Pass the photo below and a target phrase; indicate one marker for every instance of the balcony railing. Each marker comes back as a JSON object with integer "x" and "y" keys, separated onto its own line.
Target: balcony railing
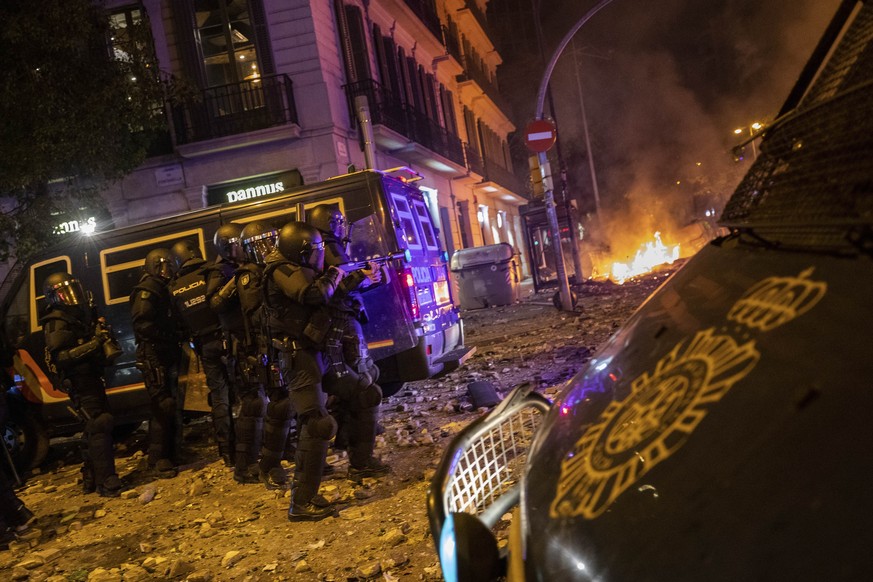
{"x": 452, "y": 44}
{"x": 236, "y": 108}
{"x": 426, "y": 12}
{"x": 474, "y": 160}
{"x": 494, "y": 172}
{"x": 387, "y": 110}
{"x": 478, "y": 15}
{"x": 473, "y": 72}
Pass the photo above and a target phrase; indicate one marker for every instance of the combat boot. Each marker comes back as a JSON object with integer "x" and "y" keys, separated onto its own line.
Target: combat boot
{"x": 371, "y": 469}
{"x": 88, "y": 483}
{"x": 247, "y": 475}
{"x": 310, "y": 511}
{"x": 111, "y": 487}
{"x": 275, "y": 478}
{"x": 164, "y": 469}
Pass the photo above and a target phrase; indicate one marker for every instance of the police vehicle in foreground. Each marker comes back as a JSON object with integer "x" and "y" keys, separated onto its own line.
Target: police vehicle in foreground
{"x": 414, "y": 330}
{"x": 724, "y": 432}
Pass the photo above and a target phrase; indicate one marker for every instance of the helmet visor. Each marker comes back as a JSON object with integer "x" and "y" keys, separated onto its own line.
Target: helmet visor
{"x": 163, "y": 269}
{"x": 258, "y": 247}
{"x": 67, "y": 293}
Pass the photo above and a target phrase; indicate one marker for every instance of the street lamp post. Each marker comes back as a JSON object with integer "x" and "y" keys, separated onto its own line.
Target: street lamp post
{"x": 549, "y": 194}
{"x": 753, "y": 130}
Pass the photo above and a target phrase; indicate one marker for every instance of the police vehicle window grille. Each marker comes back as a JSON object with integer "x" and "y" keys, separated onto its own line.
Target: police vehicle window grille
{"x": 408, "y": 222}
{"x": 812, "y": 182}
{"x": 426, "y": 226}
{"x": 492, "y": 464}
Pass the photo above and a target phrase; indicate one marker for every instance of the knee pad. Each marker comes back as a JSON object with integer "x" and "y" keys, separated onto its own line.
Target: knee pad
{"x": 321, "y": 425}
{"x": 279, "y": 409}
{"x": 370, "y": 396}
{"x": 102, "y": 423}
{"x": 253, "y": 404}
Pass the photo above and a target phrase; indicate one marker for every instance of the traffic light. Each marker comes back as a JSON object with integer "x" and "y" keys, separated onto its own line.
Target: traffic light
{"x": 536, "y": 179}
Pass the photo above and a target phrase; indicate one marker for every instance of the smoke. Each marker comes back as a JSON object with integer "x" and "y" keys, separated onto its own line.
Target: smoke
{"x": 664, "y": 90}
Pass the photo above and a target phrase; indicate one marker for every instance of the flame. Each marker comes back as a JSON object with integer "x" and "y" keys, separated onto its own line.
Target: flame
{"x": 650, "y": 255}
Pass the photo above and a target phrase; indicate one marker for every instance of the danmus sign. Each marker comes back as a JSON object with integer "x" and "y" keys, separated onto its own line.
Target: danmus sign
{"x": 255, "y": 187}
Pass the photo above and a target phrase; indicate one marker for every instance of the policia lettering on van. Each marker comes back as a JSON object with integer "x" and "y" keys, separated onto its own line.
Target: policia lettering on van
{"x": 414, "y": 330}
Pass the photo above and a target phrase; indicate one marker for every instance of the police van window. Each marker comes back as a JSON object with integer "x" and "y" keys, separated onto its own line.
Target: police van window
{"x": 277, "y": 218}
{"x": 430, "y": 240}
{"x": 122, "y": 265}
{"x": 38, "y": 274}
{"x": 407, "y": 221}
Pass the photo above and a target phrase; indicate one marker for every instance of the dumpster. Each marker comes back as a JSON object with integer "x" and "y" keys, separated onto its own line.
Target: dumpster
{"x": 485, "y": 276}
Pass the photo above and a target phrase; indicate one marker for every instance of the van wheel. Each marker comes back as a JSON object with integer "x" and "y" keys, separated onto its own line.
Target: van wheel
{"x": 26, "y": 440}
{"x": 391, "y": 388}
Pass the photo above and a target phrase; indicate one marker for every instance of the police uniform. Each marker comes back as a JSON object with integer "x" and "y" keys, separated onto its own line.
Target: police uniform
{"x": 189, "y": 297}
{"x": 235, "y": 295}
{"x": 292, "y": 296}
{"x": 352, "y": 375}
{"x": 75, "y": 351}
{"x": 157, "y": 356}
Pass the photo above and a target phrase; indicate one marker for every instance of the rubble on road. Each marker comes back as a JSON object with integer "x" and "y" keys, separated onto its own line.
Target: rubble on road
{"x": 201, "y": 525}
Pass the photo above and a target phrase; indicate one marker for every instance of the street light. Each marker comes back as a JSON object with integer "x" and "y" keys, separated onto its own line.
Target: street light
{"x": 753, "y": 130}
{"x": 542, "y": 158}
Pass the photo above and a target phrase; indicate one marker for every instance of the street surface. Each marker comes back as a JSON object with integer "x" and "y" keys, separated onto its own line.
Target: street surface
{"x": 201, "y": 525}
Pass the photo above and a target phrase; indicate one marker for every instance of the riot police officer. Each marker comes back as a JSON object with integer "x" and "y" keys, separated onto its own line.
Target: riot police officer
{"x": 201, "y": 324}
{"x": 259, "y": 241}
{"x": 75, "y": 339}
{"x": 226, "y": 290}
{"x": 157, "y": 357}
{"x": 295, "y": 288}
{"x": 15, "y": 517}
{"x": 351, "y": 373}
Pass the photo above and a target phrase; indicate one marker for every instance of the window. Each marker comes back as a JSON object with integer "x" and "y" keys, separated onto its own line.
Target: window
{"x": 430, "y": 240}
{"x": 354, "y": 42}
{"x": 404, "y": 214}
{"x": 226, "y": 41}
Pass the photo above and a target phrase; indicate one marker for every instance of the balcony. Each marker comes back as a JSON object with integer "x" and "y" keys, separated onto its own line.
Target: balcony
{"x": 475, "y": 73}
{"x": 387, "y": 110}
{"x": 235, "y": 108}
{"x": 452, "y": 44}
{"x": 474, "y": 160}
{"x": 496, "y": 173}
{"x": 425, "y": 10}
{"x": 478, "y": 15}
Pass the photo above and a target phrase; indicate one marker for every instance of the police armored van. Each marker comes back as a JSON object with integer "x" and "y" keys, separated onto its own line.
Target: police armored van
{"x": 414, "y": 330}
{"x": 723, "y": 432}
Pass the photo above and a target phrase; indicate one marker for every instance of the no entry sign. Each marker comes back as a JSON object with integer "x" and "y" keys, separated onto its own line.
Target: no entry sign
{"x": 539, "y": 135}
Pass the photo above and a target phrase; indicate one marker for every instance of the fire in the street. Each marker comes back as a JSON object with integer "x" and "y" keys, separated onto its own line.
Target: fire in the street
{"x": 650, "y": 255}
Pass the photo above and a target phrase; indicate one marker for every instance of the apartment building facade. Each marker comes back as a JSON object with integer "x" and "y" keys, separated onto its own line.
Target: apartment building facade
{"x": 283, "y": 92}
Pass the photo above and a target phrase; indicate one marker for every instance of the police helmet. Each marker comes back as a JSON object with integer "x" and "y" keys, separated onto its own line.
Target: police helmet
{"x": 258, "y": 241}
{"x": 302, "y": 244}
{"x": 64, "y": 289}
{"x": 328, "y": 219}
{"x": 158, "y": 263}
{"x": 227, "y": 242}
{"x": 184, "y": 251}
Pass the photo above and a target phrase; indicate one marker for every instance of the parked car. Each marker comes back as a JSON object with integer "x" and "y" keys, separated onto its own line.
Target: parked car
{"x": 723, "y": 433}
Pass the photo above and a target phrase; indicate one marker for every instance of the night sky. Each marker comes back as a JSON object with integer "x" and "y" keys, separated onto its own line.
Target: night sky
{"x": 665, "y": 83}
